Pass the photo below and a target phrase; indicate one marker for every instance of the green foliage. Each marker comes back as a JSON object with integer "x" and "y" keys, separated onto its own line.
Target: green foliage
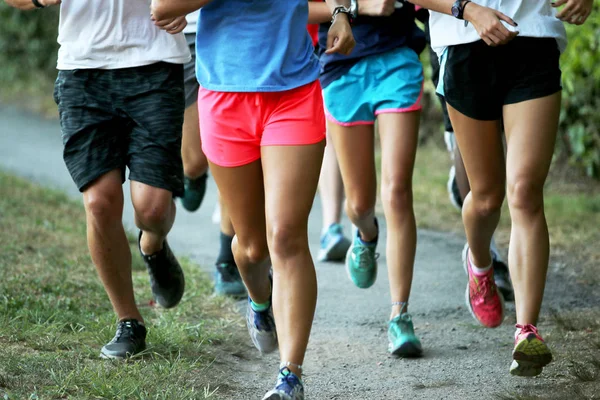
{"x": 27, "y": 42}
{"x": 580, "y": 117}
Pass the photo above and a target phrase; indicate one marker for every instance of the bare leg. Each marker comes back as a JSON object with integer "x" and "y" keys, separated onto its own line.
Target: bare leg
{"x": 399, "y": 139}
{"x": 461, "y": 174}
{"x": 534, "y": 121}
{"x": 481, "y": 146}
{"x": 290, "y": 194}
{"x": 331, "y": 187}
{"x": 108, "y": 244}
{"x": 195, "y": 163}
{"x": 355, "y": 147}
{"x": 226, "y": 225}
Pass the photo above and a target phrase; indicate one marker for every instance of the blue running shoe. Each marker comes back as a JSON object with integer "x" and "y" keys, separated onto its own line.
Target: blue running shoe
{"x": 334, "y": 244}
{"x": 228, "y": 281}
{"x": 361, "y": 262}
{"x": 261, "y": 327}
{"x": 402, "y": 338}
{"x": 288, "y": 387}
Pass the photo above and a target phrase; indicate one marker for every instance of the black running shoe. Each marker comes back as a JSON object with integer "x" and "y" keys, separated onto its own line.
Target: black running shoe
{"x": 166, "y": 276}
{"x": 502, "y": 279}
{"x": 129, "y": 340}
{"x": 228, "y": 281}
{"x": 194, "y": 191}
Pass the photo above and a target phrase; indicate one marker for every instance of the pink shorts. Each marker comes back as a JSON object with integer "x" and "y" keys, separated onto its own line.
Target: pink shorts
{"x": 234, "y": 126}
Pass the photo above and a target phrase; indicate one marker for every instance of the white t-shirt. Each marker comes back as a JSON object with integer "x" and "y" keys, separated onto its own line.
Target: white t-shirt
{"x": 536, "y": 18}
{"x": 192, "y": 21}
{"x": 114, "y": 34}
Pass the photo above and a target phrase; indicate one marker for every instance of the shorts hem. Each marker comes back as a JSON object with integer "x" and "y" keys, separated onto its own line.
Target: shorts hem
{"x": 303, "y": 143}
{"x": 233, "y": 164}
{"x": 399, "y": 110}
{"x": 534, "y": 96}
{"x": 176, "y": 192}
{"x": 84, "y": 182}
{"x": 331, "y": 118}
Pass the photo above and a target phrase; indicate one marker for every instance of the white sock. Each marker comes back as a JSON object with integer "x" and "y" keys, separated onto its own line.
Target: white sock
{"x": 476, "y": 270}
{"x": 495, "y": 252}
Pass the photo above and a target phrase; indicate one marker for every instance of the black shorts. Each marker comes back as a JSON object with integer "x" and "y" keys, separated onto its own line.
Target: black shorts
{"x": 478, "y": 80}
{"x": 189, "y": 73}
{"x": 131, "y": 117}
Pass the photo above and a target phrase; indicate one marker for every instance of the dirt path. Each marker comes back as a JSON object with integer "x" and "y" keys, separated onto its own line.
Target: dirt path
{"x": 347, "y": 356}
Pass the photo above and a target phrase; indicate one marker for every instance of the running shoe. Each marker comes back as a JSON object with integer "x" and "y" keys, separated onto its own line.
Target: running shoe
{"x": 261, "y": 327}
{"x": 288, "y": 387}
{"x": 194, "y": 191}
{"x": 228, "y": 281}
{"x": 531, "y": 354}
{"x": 483, "y": 296}
{"x": 129, "y": 340}
{"x": 450, "y": 141}
{"x": 402, "y": 338}
{"x": 166, "y": 276}
{"x": 502, "y": 278}
{"x": 361, "y": 262}
{"x": 334, "y": 244}
{"x": 453, "y": 191}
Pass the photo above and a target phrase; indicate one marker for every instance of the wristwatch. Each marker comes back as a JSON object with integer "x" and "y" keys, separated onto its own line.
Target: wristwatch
{"x": 458, "y": 8}
{"x": 37, "y": 4}
{"x": 342, "y": 10}
{"x": 354, "y": 9}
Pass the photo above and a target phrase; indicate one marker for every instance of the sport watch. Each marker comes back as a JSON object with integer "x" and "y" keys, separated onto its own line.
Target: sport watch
{"x": 354, "y": 9}
{"x": 342, "y": 10}
{"x": 458, "y": 8}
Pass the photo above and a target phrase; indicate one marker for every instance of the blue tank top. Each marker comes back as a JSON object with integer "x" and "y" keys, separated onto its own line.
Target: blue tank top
{"x": 254, "y": 46}
{"x": 373, "y": 35}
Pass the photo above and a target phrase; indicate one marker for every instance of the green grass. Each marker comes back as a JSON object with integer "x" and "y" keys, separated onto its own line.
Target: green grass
{"x": 55, "y": 316}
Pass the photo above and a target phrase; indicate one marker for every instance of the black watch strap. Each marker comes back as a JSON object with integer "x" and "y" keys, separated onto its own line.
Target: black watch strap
{"x": 462, "y": 12}
{"x": 37, "y": 4}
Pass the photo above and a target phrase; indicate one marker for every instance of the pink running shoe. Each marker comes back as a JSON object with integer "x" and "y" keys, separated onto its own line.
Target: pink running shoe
{"x": 483, "y": 297}
{"x": 531, "y": 354}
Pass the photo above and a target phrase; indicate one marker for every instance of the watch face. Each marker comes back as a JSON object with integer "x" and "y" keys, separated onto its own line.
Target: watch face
{"x": 455, "y": 11}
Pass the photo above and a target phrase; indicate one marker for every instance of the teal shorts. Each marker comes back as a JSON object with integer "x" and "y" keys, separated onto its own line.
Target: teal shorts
{"x": 391, "y": 82}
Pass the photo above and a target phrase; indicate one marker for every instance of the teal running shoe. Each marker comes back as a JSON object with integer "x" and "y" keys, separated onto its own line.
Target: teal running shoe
{"x": 228, "y": 281}
{"x": 361, "y": 262}
{"x": 194, "y": 191}
{"x": 402, "y": 338}
{"x": 334, "y": 244}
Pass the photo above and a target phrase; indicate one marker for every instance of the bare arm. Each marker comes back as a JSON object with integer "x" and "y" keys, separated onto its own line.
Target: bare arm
{"x": 28, "y": 4}
{"x": 318, "y": 12}
{"x": 167, "y": 9}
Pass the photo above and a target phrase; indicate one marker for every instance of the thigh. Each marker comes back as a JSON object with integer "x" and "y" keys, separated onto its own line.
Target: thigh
{"x": 531, "y": 128}
{"x": 355, "y": 149}
{"x": 399, "y": 133}
{"x": 95, "y": 139}
{"x": 242, "y": 192}
{"x": 480, "y": 144}
{"x": 291, "y": 175}
{"x": 155, "y": 105}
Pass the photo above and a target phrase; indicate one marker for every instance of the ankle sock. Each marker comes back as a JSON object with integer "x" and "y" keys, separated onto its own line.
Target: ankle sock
{"x": 260, "y": 307}
{"x": 225, "y": 253}
{"x": 477, "y": 270}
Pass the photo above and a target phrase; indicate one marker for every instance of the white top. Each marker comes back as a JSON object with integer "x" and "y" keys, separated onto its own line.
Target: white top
{"x": 113, "y": 34}
{"x": 192, "y": 20}
{"x": 536, "y": 18}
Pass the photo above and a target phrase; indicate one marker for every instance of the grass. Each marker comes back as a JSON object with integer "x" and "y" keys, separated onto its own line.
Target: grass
{"x": 55, "y": 316}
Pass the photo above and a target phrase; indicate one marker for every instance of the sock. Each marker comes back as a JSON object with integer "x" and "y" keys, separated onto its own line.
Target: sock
{"x": 476, "y": 270}
{"x": 225, "y": 253}
{"x": 495, "y": 253}
{"x": 371, "y": 242}
{"x": 260, "y": 307}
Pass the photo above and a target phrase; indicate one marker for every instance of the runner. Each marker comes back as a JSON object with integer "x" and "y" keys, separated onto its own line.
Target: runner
{"x": 120, "y": 97}
{"x": 458, "y": 183}
{"x": 195, "y": 165}
{"x": 491, "y": 70}
{"x": 263, "y": 131}
{"x": 382, "y": 80}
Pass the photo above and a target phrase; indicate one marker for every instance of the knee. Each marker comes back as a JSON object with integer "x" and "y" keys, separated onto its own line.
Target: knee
{"x": 254, "y": 252}
{"x": 360, "y": 206}
{"x": 194, "y": 162}
{"x": 286, "y": 240}
{"x": 104, "y": 205}
{"x": 153, "y": 213}
{"x": 489, "y": 202}
{"x": 525, "y": 195}
{"x": 397, "y": 196}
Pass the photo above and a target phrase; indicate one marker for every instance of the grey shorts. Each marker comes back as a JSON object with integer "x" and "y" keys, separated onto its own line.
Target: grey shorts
{"x": 189, "y": 73}
{"x": 131, "y": 117}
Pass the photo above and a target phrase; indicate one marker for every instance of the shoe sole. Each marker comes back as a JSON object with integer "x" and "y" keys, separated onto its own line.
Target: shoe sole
{"x": 335, "y": 252}
{"x": 407, "y": 350}
{"x": 530, "y": 357}
{"x": 348, "y": 256}
{"x": 468, "y": 298}
{"x": 264, "y": 342}
{"x": 107, "y": 356}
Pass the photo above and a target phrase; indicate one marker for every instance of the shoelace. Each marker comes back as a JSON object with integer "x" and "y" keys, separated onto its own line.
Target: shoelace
{"x": 286, "y": 380}
{"x": 528, "y": 328}
{"x": 362, "y": 251}
{"x": 124, "y": 329}
{"x": 486, "y": 288}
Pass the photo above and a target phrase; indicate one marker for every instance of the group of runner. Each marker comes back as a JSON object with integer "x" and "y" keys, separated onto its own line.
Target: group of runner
{"x": 254, "y": 109}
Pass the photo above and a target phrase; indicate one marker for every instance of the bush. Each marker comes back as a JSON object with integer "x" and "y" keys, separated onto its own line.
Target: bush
{"x": 580, "y": 117}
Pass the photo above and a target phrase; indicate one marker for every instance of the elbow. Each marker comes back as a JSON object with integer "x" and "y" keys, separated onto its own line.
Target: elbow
{"x": 162, "y": 10}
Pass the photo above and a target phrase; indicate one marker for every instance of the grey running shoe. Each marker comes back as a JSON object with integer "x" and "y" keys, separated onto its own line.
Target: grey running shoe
{"x": 261, "y": 327}
{"x": 129, "y": 340}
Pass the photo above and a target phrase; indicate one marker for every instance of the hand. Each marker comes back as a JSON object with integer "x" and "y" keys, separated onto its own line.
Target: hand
{"x": 340, "y": 38}
{"x": 48, "y": 3}
{"x": 487, "y": 24}
{"x": 575, "y": 11}
{"x": 376, "y": 8}
{"x": 171, "y": 25}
